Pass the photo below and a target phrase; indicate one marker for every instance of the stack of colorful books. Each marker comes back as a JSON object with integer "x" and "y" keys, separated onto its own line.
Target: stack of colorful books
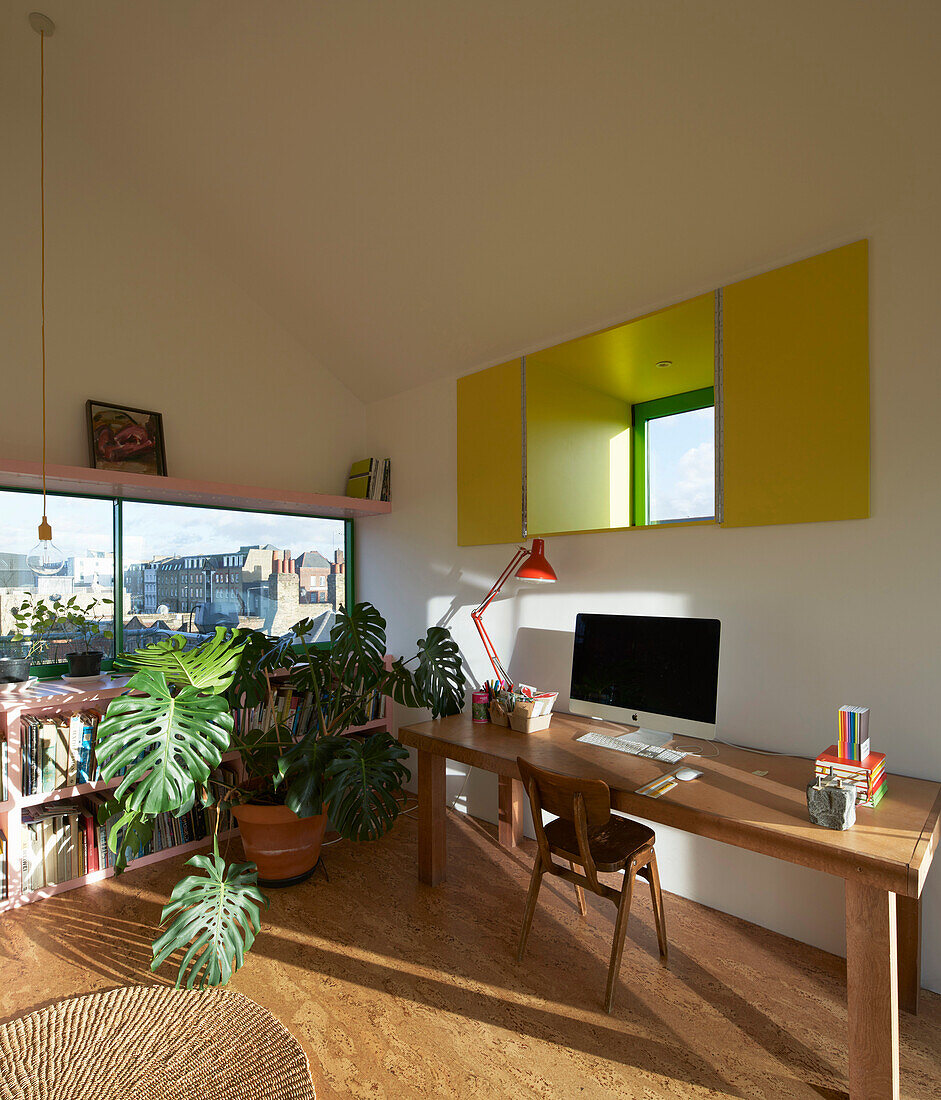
{"x": 851, "y": 758}
{"x": 854, "y": 733}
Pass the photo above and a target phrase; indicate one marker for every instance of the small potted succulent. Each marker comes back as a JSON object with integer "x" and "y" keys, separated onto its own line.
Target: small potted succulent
{"x": 35, "y": 621}
{"x": 84, "y": 626}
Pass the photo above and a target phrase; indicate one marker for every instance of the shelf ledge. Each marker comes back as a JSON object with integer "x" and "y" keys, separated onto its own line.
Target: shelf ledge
{"x": 176, "y": 490}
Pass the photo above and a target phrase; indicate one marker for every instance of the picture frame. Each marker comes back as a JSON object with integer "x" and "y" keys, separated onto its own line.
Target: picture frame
{"x": 125, "y": 439}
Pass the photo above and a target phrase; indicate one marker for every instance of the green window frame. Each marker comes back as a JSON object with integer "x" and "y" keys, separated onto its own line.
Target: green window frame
{"x": 53, "y": 670}
{"x": 641, "y": 414}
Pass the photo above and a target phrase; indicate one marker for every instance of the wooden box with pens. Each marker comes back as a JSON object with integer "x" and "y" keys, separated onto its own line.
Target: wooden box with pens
{"x": 522, "y": 708}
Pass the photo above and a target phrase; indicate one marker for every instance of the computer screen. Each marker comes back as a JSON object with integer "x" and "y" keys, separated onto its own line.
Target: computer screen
{"x": 661, "y": 673}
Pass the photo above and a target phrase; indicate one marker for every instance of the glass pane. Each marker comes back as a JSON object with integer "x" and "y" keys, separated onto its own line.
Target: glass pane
{"x": 83, "y": 529}
{"x": 188, "y": 570}
{"x": 681, "y": 466}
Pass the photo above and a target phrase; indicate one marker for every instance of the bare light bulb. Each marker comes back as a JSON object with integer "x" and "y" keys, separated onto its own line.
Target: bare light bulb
{"x": 45, "y": 559}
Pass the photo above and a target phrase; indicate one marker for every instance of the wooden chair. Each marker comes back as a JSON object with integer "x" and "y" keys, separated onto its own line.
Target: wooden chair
{"x": 589, "y": 836}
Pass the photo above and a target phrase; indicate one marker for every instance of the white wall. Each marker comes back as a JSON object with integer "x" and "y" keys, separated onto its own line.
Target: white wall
{"x": 813, "y": 615}
{"x": 137, "y": 315}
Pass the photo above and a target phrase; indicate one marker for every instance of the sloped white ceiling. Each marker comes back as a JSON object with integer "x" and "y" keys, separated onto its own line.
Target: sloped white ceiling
{"x": 414, "y": 188}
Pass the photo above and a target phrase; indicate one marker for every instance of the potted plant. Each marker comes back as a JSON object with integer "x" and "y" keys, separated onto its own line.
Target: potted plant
{"x": 171, "y": 729}
{"x": 35, "y": 621}
{"x": 84, "y": 625}
{"x": 299, "y": 765}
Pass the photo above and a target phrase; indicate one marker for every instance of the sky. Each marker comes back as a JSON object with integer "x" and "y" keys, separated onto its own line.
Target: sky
{"x": 681, "y": 460}
{"x": 157, "y": 530}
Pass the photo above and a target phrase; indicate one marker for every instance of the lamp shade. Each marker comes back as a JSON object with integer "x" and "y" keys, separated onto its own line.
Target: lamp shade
{"x": 535, "y": 567}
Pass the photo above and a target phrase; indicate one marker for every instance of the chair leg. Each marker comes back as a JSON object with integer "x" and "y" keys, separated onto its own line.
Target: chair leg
{"x": 534, "y": 883}
{"x": 620, "y": 927}
{"x": 656, "y": 898}
{"x": 580, "y": 895}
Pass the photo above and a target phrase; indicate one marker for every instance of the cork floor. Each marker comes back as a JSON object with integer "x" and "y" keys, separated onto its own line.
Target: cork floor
{"x": 400, "y": 990}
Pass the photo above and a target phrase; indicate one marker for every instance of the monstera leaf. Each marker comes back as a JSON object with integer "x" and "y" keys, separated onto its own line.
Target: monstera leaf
{"x": 210, "y": 667}
{"x": 303, "y": 769}
{"x": 215, "y": 919}
{"x": 439, "y": 676}
{"x": 260, "y": 656}
{"x": 362, "y": 781}
{"x": 358, "y": 646}
{"x": 399, "y": 682}
{"x": 130, "y": 832}
{"x": 167, "y": 743}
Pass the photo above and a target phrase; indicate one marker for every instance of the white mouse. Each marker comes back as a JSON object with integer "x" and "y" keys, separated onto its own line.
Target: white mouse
{"x": 687, "y": 773}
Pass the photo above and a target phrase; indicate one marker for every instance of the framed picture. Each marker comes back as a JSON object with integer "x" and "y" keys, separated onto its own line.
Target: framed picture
{"x": 125, "y": 439}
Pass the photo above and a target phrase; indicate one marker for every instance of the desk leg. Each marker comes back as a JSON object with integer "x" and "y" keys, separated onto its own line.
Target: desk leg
{"x": 908, "y": 911}
{"x": 432, "y": 818}
{"x": 872, "y": 992}
{"x": 511, "y": 812}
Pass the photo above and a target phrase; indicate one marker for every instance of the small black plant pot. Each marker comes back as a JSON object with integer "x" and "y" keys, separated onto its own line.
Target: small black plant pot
{"x": 14, "y": 670}
{"x": 87, "y": 663}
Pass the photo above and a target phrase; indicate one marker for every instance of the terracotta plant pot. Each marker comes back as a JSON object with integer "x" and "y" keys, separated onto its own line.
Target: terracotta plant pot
{"x": 285, "y": 847}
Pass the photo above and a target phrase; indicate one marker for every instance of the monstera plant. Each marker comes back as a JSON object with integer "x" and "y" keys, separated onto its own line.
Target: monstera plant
{"x": 168, "y": 734}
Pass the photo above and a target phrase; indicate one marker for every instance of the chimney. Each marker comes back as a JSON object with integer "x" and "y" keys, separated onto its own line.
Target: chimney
{"x": 288, "y": 562}
{"x": 277, "y": 565}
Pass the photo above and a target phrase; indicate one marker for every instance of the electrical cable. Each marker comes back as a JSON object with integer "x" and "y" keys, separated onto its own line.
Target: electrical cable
{"x": 42, "y": 249}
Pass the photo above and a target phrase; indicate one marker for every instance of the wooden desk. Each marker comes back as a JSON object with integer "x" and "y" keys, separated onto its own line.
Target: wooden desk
{"x": 883, "y": 859}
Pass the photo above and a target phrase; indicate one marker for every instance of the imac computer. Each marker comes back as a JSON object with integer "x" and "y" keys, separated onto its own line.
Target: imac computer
{"x": 661, "y": 674}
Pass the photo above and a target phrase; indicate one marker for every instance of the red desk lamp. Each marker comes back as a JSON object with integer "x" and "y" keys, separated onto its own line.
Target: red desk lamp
{"x": 529, "y": 565}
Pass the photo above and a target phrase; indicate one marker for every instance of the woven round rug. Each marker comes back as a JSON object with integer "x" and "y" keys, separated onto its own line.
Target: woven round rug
{"x": 152, "y": 1043}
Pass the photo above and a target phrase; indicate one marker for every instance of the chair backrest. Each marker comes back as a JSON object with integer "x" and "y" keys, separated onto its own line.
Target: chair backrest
{"x": 584, "y": 802}
{"x": 557, "y": 794}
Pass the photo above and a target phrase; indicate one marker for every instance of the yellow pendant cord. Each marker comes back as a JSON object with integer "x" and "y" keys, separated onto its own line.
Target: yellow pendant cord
{"x": 42, "y": 264}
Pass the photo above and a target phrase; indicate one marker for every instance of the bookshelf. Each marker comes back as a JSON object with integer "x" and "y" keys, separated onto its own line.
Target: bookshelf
{"x": 177, "y": 490}
{"x": 55, "y": 697}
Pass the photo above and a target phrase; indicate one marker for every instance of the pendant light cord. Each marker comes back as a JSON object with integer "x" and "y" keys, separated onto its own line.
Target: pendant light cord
{"x": 42, "y": 250}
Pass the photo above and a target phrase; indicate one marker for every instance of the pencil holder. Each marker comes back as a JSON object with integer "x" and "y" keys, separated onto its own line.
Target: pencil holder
{"x": 498, "y": 714}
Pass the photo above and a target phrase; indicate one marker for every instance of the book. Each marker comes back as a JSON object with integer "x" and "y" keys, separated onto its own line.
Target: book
{"x": 31, "y": 855}
{"x": 386, "y": 493}
{"x": 60, "y": 763}
{"x": 47, "y": 755}
{"x": 868, "y": 775}
{"x": 85, "y": 766}
{"x": 91, "y": 848}
{"x": 75, "y": 749}
{"x": 853, "y": 742}
{"x": 369, "y": 479}
{"x": 50, "y": 855}
{"x": 29, "y": 759}
{"x": 357, "y": 487}
{"x": 360, "y": 480}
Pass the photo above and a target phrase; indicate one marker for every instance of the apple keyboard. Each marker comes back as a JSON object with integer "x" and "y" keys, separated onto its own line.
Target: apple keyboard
{"x": 632, "y": 747}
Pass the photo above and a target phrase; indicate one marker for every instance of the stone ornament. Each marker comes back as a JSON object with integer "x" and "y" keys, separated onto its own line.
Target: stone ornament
{"x": 831, "y": 802}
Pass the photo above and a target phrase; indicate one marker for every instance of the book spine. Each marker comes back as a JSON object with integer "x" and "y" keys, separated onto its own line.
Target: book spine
{"x": 91, "y": 847}
{"x": 75, "y": 749}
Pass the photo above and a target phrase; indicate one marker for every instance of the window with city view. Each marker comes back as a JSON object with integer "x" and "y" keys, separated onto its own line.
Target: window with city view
{"x": 83, "y": 529}
{"x": 188, "y": 570}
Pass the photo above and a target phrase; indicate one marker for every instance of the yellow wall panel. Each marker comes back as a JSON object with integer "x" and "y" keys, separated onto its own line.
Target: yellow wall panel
{"x": 795, "y": 387}
{"x": 489, "y": 456}
{"x": 578, "y": 466}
